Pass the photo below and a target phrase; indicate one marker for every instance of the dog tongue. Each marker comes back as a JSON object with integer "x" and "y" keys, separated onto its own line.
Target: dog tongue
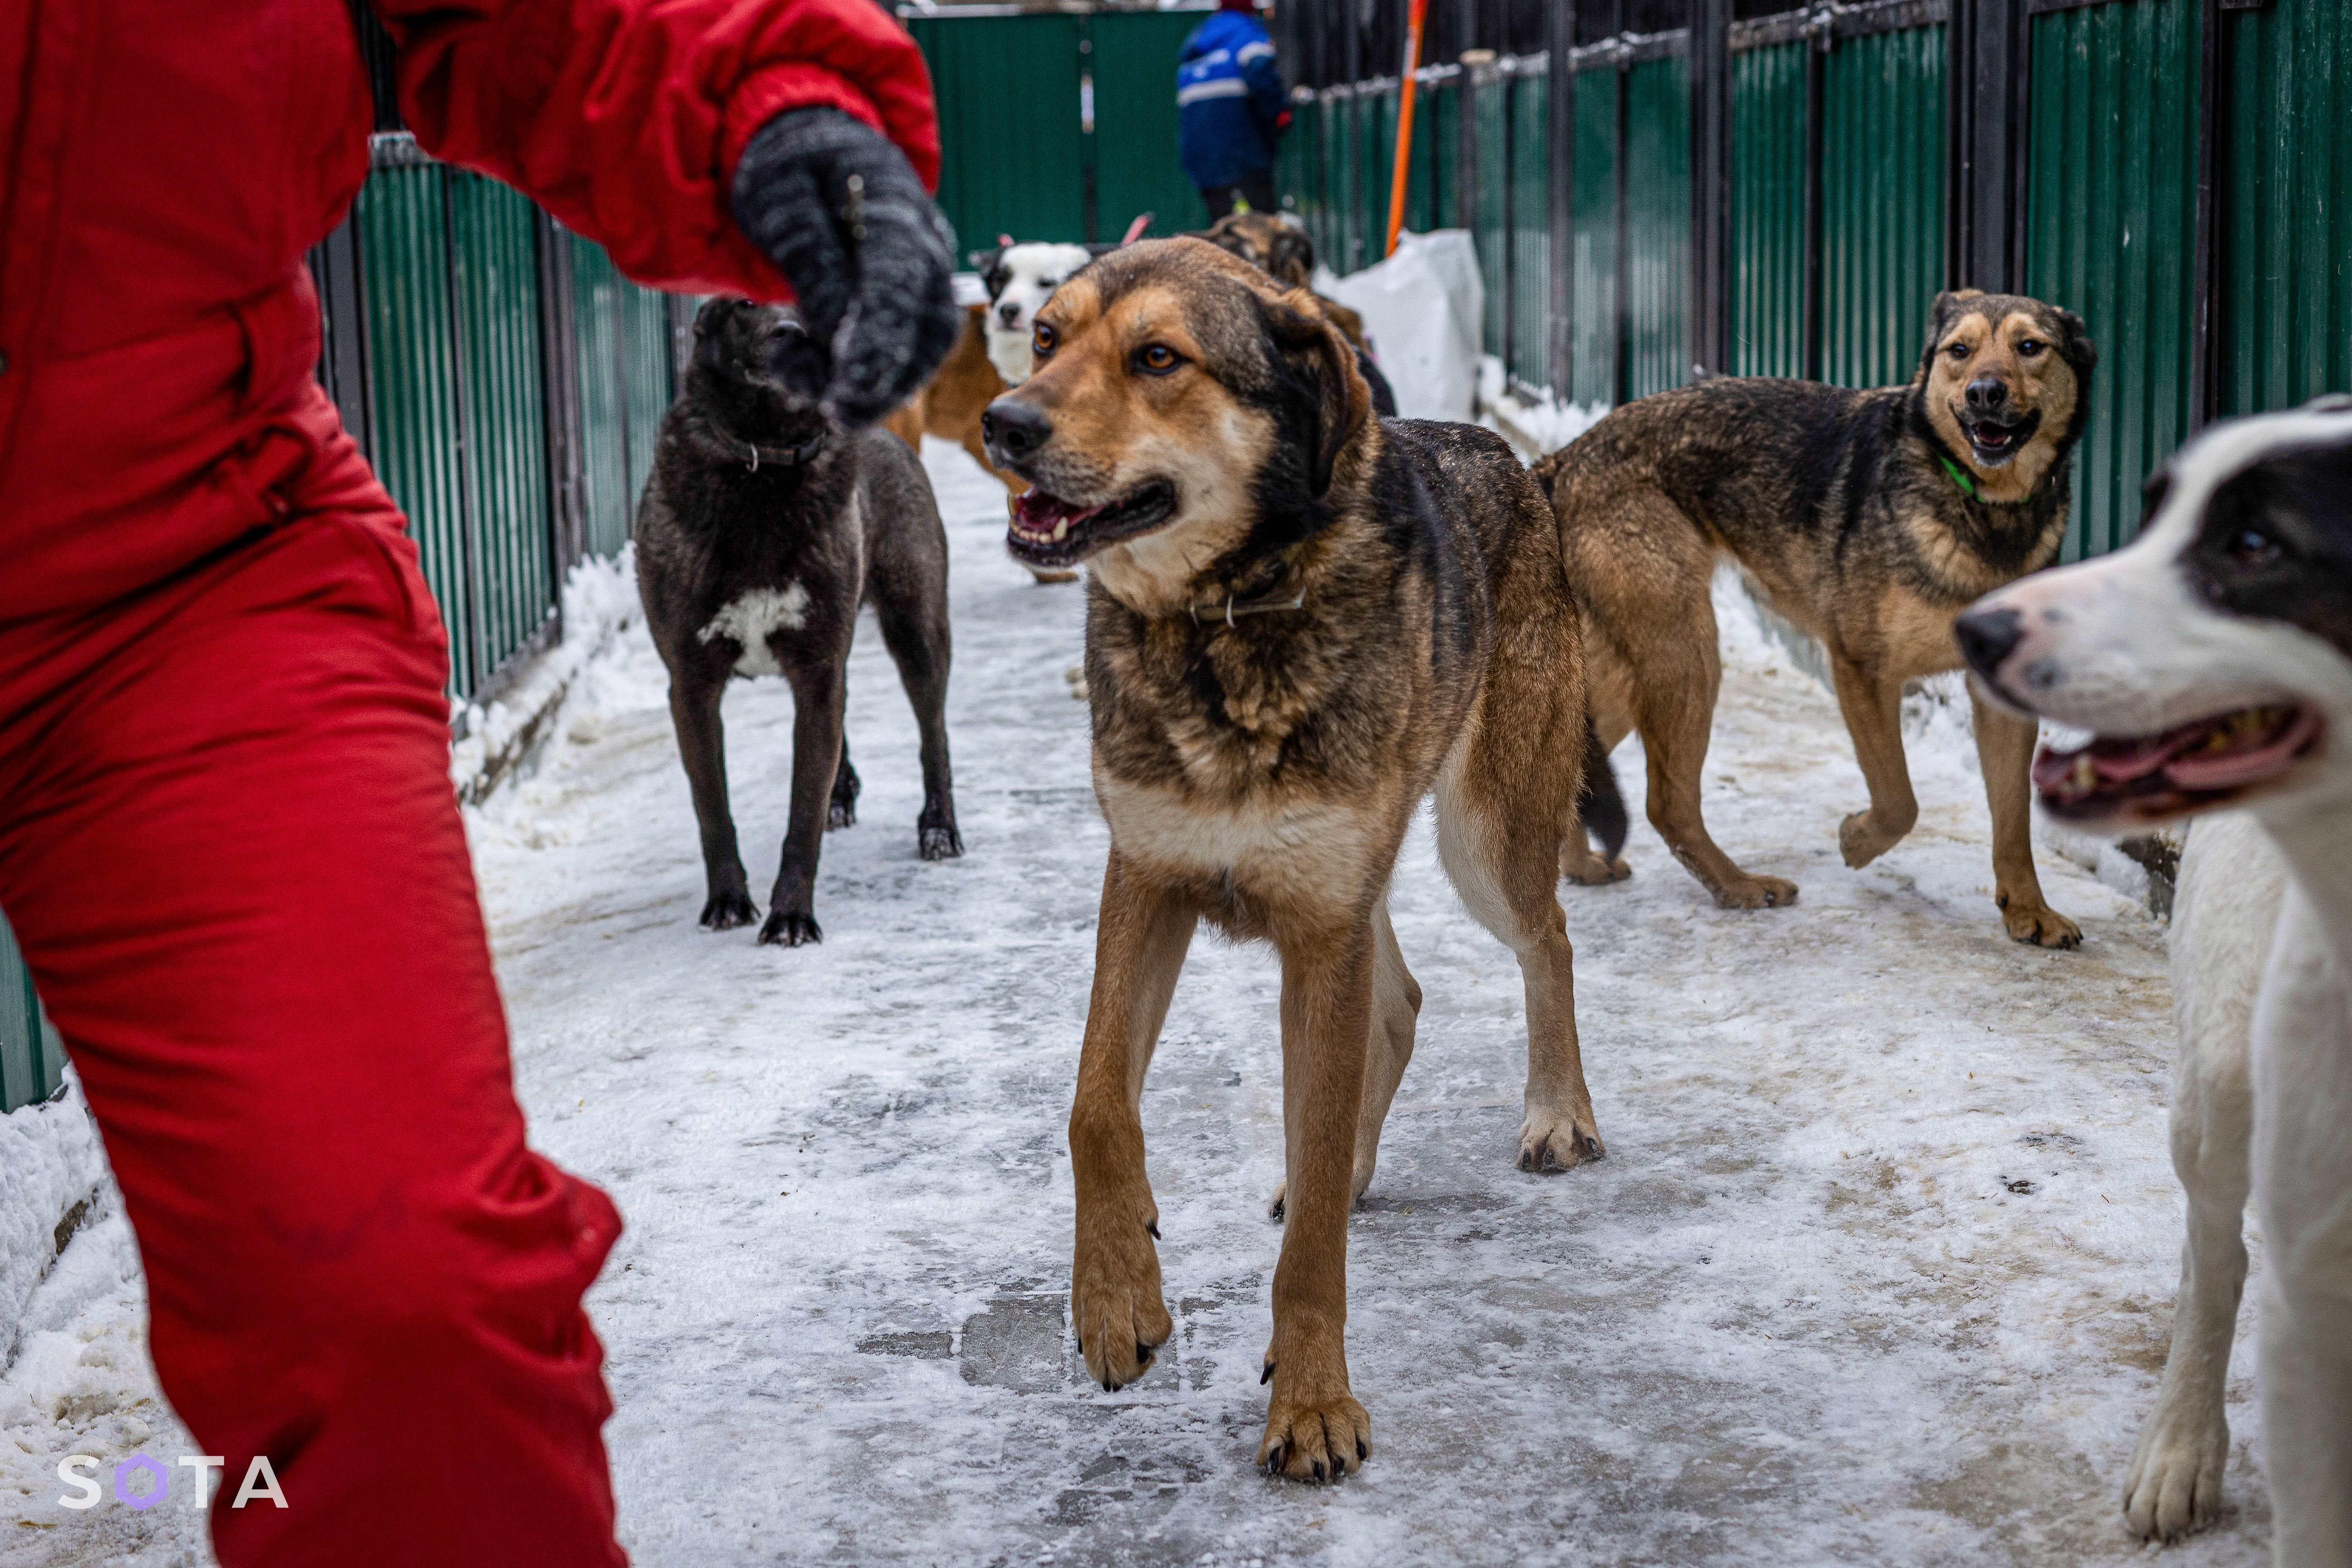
{"x": 2224, "y": 770}
{"x": 1038, "y": 511}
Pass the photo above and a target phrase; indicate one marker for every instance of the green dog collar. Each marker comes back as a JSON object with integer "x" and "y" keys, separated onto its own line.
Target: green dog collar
{"x": 1959, "y": 476}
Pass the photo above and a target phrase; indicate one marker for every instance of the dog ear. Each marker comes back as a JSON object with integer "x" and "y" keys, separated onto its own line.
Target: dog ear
{"x": 2074, "y": 342}
{"x": 1314, "y": 349}
{"x": 1292, "y": 256}
{"x": 1948, "y": 308}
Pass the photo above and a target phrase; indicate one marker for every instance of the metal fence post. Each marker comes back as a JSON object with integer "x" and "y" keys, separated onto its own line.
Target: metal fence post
{"x": 559, "y": 357}
{"x": 1559, "y": 76}
{"x": 2204, "y": 385}
{"x": 1709, "y": 343}
{"x": 1986, "y": 60}
{"x": 342, "y": 311}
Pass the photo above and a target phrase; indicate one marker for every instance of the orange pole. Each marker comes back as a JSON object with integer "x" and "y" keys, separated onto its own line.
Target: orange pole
{"x": 1418, "y": 14}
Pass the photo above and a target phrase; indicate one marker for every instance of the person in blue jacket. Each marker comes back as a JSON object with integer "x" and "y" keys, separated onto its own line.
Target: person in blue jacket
{"x": 1230, "y": 107}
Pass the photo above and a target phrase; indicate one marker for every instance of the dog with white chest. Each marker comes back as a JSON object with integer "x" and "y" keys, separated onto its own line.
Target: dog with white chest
{"x": 2211, "y": 661}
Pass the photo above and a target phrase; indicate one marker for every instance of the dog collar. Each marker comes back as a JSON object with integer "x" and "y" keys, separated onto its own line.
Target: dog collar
{"x": 1959, "y": 475}
{"x": 1230, "y": 607}
{"x": 789, "y": 457}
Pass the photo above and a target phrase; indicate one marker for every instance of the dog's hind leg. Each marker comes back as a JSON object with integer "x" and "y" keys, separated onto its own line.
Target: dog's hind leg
{"x": 1116, "y": 1309}
{"x": 818, "y": 692}
{"x": 2005, "y": 756}
{"x": 2230, "y": 883}
{"x": 702, "y": 748}
{"x": 841, "y": 810}
{"x": 916, "y": 633}
{"x": 1674, "y": 693}
{"x": 1872, "y": 707}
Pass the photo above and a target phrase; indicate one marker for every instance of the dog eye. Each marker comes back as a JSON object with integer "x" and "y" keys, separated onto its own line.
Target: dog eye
{"x": 1158, "y": 359}
{"x": 2252, "y": 547}
{"x": 1957, "y": 350}
{"x": 1041, "y": 341}
{"x": 2029, "y": 347}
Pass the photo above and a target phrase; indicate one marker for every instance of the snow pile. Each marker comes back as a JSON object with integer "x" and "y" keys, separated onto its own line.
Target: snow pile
{"x": 1430, "y": 356}
{"x": 50, "y": 1160}
{"x": 1534, "y": 422}
{"x": 82, "y": 1383}
{"x": 600, "y": 600}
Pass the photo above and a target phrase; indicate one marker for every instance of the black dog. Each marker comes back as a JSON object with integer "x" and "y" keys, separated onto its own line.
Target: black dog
{"x": 762, "y": 530}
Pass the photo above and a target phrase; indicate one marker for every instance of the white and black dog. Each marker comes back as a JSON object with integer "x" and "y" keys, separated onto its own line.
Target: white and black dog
{"x": 2211, "y": 661}
{"x": 1019, "y": 278}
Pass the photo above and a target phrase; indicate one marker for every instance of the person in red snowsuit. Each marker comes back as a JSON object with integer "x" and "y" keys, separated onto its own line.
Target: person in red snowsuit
{"x": 228, "y": 842}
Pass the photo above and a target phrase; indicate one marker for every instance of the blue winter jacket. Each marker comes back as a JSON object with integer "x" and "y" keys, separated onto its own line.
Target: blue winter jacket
{"x": 1228, "y": 98}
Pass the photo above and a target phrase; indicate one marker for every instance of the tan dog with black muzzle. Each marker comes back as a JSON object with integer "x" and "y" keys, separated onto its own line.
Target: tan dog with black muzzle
{"x": 1301, "y": 621}
{"x": 1870, "y": 518}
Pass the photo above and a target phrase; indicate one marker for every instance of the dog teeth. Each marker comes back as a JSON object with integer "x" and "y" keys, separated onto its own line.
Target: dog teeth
{"x": 2086, "y": 775}
{"x": 1060, "y": 531}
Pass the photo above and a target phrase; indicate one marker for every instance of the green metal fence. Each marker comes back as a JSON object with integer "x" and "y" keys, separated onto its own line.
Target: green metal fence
{"x": 31, "y": 1064}
{"x": 1058, "y": 125}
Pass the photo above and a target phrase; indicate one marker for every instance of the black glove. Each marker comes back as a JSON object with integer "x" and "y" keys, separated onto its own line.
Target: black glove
{"x": 852, "y": 229}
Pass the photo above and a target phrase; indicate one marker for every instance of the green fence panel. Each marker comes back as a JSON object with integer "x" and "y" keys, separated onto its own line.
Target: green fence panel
{"x": 31, "y": 1063}
{"x": 1297, "y": 170}
{"x": 1592, "y": 289}
{"x": 1657, "y": 226}
{"x": 608, "y": 502}
{"x": 1375, "y": 120}
{"x": 1529, "y": 354}
{"x": 1882, "y": 202}
{"x": 1134, "y": 60}
{"x": 647, "y": 366}
{"x": 1442, "y": 107}
{"x": 1767, "y": 210}
{"x": 1490, "y": 102}
{"x": 403, "y": 235}
{"x": 495, "y": 262}
{"x": 2285, "y": 154}
{"x": 1014, "y": 153}
{"x": 2111, "y": 230}
{"x": 1334, "y": 243}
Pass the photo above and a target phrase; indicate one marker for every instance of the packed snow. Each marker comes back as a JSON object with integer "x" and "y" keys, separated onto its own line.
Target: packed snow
{"x": 1879, "y": 1268}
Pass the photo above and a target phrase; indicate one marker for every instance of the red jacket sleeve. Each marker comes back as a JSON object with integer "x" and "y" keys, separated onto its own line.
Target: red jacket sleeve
{"x": 625, "y": 118}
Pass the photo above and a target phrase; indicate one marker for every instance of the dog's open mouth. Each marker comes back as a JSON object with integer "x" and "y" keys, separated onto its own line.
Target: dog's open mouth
{"x": 1047, "y": 530}
{"x": 1996, "y": 441}
{"x": 2190, "y": 767}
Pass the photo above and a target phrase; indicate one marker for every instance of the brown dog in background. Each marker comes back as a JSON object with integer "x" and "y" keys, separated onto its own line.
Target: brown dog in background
{"x": 1300, "y": 621}
{"x": 951, "y": 404}
{"x": 1283, "y": 250}
{"x": 1869, "y": 519}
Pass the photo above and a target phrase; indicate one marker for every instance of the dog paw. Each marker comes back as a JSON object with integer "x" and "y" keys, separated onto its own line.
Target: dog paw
{"x": 840, "y": 814}
{"x": 2041, "y": 925}
{"x": 789, "y": 928}
{"x": 1862, "y": 838}
{"x": 938, "y": 842}
{"x": 725, "y": 911}
{"x": 2175, "y": 1485}
{"x": 1314, "y": 1437}
{"x": 1114, "y": 1305}
{"x": 1551, "y": 1141}
{"x": 1591, "y": 870}
{"x": 1756, "y": 893}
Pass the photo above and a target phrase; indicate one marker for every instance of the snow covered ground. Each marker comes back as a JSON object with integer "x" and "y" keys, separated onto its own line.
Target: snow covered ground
{"x": 1879, "y": 1268}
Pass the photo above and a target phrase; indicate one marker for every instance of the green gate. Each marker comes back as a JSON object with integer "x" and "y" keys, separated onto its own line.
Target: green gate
{"x": 1058, "y": 125}
{"x": 31, "y": 1063}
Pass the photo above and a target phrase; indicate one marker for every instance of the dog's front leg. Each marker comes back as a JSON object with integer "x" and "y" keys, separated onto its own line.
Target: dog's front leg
{"x": 1114, "y": 1304}
{"x": 2005, "y": 756}
{"x": 818, "y": 692}
{"x": 1314, "y": 1426}
{"x": 1872, "y": 707}
{"x": 702, "y": 748}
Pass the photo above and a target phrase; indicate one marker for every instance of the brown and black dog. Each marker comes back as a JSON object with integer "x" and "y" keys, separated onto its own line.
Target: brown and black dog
{"x": 1300, "y": 621}
{"x": 1871, "y": 520}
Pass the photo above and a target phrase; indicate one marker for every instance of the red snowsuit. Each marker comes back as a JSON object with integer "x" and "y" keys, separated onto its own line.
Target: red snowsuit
{"x": 228, "y": 842}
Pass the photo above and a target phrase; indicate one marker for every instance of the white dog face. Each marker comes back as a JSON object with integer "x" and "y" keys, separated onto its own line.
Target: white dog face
{"x": 1021, "y": 279}
{"x": 2212, "y": 659}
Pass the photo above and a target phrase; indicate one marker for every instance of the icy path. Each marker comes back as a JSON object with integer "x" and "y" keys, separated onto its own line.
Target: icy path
{"x": 1879, "y": 1268}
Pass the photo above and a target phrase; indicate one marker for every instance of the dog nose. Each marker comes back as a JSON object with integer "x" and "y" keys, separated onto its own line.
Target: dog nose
{"x": 1013, "y": 429}
{"x": 1989, "y": 636}
{"x": 1009, "y": 314}
{"x": 1988, "y": 392}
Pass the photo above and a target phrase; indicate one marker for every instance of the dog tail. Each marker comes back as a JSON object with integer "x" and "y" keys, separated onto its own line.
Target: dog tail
{"x": 1598, "y": 804}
